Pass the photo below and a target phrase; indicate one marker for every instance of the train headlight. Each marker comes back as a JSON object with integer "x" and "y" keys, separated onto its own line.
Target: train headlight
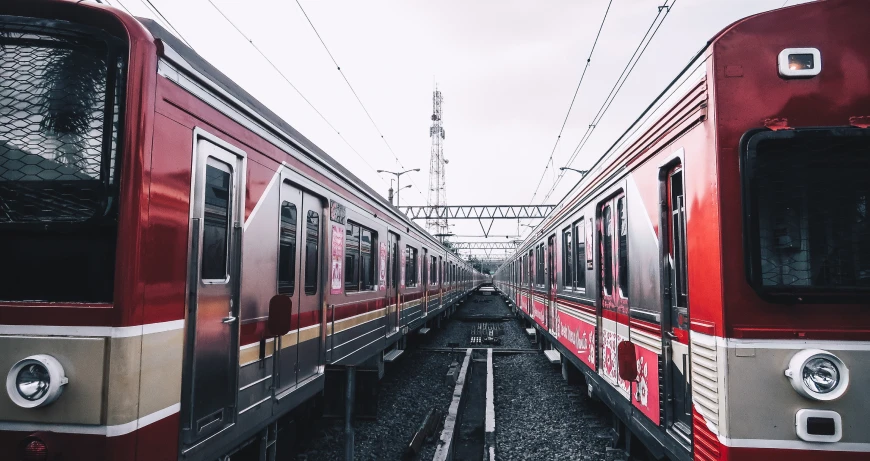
{"x": 35, "y": 381}
{"x": 818, "y": 374}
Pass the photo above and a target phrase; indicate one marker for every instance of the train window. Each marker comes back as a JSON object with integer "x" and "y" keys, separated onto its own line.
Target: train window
{"x": 367, "y": 259}
{"x": 58, "y": 177}
{"x": 433, "y": 270}
{"x": 312, "y": 240}
{"x": 530, "y": 267}
{"x": 392, "y": 259}
{"x": 410, "y": 266}
{"x": 607, "y": 248}
{"x": 359, "y": 260}
{"x": 580, "y": 253}
{"x": 440, "y": 270}
{"x": 539, "y": 265}
{"x": 351, "y": 258}
{"x": 809, "y": 228}
{"x": 622, "y": 244}
{"x": 567, "y": 259}
{"x": 287, "y": 250}
{"x": 678, "y": 261}
{"x": 216, "y": 225}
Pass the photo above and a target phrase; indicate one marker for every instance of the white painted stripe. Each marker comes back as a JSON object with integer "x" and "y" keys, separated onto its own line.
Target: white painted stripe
{"x": 91, "y": 332}
{"x": 839, "y": 345}
{"x": 795, "y": 444}
{"x": 62, "y": 428}
{"x": 380, "y": 338}
{"x": 444, "y": 449}
{"x": 490, "y": 394}
{"x": 113, "y": 431}
{"x": 255, "y": 382}
{"x": 256, "y": 344}
{"x": 255, "y": 404}
{"x": 108, "y": 431}
{"x": 161, "y": 327}
{"x": 788, "y": 344}
{"x": 262, "y": 198}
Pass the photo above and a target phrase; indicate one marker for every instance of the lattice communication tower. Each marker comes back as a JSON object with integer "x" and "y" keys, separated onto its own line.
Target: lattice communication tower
{"x": 437, "y": 162}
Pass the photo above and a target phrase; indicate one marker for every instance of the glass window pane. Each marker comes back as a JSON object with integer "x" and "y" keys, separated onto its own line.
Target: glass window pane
{"x": 580, "y": 238}
{"x": 287, "y": 251}
{"x": 367, "y": 272}
{"x": 215, "y": 230}
{"x": 567, "y": 259}
{"x": 623, "y": 245}
{"x": 812, "y": 230}
{"x": 312, "y": 239}
{"x": 607, "y": 250}
{"x": 351, "y": 258}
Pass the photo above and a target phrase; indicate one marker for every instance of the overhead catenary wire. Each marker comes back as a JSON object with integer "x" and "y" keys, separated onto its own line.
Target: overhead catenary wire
{"x": 617, "y": 87}
{"x": 352, "y": 90}
{"x": 304, "y": 98}
{"x": 122, "y": 6}
{"x": 573, "y": 99}
{"x": 156, "y": 11}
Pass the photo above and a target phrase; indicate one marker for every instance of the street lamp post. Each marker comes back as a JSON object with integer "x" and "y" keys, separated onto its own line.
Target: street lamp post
{"x": 399, "y": 181}
{"x": 582, "y": 172}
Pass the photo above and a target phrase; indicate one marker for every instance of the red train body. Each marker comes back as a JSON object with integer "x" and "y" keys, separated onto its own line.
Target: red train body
{"x": 153, "y": 210}
{"x": 725, "y": 236}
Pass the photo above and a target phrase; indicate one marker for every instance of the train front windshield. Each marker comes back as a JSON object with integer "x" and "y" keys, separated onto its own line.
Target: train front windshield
{"x": 809, "y": 228}
{"x": 60, "y": 106}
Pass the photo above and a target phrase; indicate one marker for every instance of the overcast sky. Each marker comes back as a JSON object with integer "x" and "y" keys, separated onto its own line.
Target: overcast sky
{"x": 507, "y": 70}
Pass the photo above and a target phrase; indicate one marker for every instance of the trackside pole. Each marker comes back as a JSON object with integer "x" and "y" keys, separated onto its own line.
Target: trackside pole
{"x": 348, "y": 413}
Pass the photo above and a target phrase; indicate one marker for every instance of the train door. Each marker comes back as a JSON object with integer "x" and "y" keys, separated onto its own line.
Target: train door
{"x": 676, "y": 302}
{"x": 530, "y": 283}
{"x": 551, "y": 285}
{"x": 613, "y": 320}
{"x": 441, "y": 271}
{"x": 298, "y": 352}
{"x": 213, "y": 291}
{"x": 424, "y": 281}
{"x": 392, "y": 283}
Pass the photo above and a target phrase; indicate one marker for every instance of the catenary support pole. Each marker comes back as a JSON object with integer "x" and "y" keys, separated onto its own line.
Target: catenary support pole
{"x": 348, "y": 413}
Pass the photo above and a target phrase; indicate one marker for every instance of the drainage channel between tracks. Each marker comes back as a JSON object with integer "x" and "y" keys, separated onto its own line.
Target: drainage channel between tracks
{"x": 469, "y": 427}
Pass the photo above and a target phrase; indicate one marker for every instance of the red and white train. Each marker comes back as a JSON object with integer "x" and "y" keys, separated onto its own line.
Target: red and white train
{"x": 179, "y": 265}
{"x": 710, "y": 275}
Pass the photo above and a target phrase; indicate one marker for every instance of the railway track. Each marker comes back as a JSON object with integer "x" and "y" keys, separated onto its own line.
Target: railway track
{"x": 446, "y": 399}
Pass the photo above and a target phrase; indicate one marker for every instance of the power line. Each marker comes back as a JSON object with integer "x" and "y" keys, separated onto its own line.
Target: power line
{"x": 626, "y": 72}
{"x": 338, "y": 67}
{"x": 151, "y": 6}
{"x": 573, "y": 99}
{"x": 123, "y": 6}
{"x": 310, "y": 104}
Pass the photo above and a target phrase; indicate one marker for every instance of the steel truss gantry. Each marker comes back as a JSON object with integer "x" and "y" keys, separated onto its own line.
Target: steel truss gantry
{"x": 478, "y": 212}
{"x": 486, "y": 245}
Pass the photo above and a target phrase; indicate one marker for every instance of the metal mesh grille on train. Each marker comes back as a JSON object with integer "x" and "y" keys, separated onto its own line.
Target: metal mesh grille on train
{"x": 57, "y": 132}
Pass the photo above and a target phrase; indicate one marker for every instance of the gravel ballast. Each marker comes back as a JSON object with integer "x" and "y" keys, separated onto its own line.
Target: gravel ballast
{"x": 409, "y": 389}
{"x": 539, "y": 416}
